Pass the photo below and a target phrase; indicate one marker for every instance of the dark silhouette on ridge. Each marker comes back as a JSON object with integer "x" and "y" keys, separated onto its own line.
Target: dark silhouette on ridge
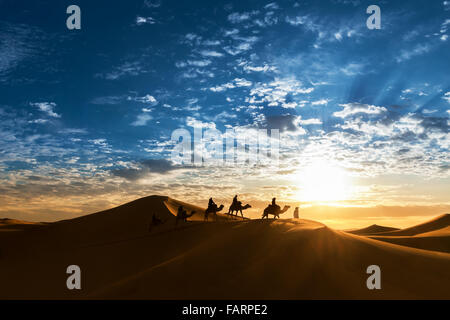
{"x": 154, "y": 222}
{"x": 183, "y": 215}
{"x": 212, "y": 209}
{"x": 237, "y": 207}
{"x": 274, "y": 210}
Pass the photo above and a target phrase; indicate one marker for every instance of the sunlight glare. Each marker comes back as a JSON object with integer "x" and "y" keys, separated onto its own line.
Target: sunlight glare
{"x": 323, "y": 182}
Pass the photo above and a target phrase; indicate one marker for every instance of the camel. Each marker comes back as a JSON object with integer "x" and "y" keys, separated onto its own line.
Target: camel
{"x": 183, "y": 216}
{"x": 214, "y": 211}
{"x": 238, "y": 207}
{"x": 275, "y": 211}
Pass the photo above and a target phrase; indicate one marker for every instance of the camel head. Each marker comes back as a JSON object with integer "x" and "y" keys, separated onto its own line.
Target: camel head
{"x": 246, "y": 206}
{"x": 220, "y": 208}
{"x": 191, "y": 214}
{"x": 286, "y": 208}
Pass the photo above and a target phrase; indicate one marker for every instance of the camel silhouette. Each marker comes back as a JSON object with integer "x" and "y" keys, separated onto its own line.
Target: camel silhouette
{"x": 237, "y": 207}
{"x": 183, "y": 215}
{"x": 274, "y": 210}
{"x": 213, "y": 210}
{"x": 155, "y": 222}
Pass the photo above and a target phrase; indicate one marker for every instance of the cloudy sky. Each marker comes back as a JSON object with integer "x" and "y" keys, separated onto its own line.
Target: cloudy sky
{"x": 87, "y": 115}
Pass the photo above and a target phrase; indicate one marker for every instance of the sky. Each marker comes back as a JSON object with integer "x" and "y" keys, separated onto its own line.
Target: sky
{"x": 88, "y": 116}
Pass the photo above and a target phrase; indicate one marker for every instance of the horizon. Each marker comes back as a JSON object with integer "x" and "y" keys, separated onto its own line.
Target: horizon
{"x": 341, "y": 218}
{"x": 358, "y": 117}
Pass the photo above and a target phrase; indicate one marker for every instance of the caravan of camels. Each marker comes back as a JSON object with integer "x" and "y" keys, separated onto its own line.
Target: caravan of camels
{"x": 235, "y": 208}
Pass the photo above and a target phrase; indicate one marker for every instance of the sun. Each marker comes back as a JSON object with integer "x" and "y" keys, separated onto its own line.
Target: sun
{"x": 323, "y": 182}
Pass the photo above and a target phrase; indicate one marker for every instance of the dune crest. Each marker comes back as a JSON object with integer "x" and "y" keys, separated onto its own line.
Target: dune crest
{"x": 430, "y": 235}
{"x": 373, "y": 229}
{"x": 432, "y": 225}
{"x": 121, "y": 258}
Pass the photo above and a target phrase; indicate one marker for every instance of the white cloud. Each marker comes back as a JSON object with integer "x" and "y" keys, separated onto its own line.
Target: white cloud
{"x": 263, "y": 68}
{"x": 271, "y": 6}
{"x": 299, "y": 20}
{"x": 237, "y": 82}
{"x": 355, "y": 108}
{"x": 144, "y": 20}
{"x": 242, "y": 82}
{"x": 192, "y": 122}
{"x": 236, "y": 17}
{"x": 309, "y": 121}
{"x": 142, "y": 119}
{"x": 447, "y": 96}
{"x": 195, "y": 63}
{"x": 47, "y": 107}
{"x": 320, "y": 102}
{"x": 38, "y": 121}
{"x": 352, "y": 69}
{"x": 416, "y": 51}
{"x": 129, "y": 68}
{"x": 288, "y": 105}
{"x": 275, "y": 93}
{"x": 222, "y": 87}
{"x": 211, "y": 53}
{"x": 149, "y": 99}
{"x": 152, "y": 4}
{"x": 231, "y": 32}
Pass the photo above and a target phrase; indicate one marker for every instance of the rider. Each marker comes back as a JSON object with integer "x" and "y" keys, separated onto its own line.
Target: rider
{"x": 180, "y": 212}
{"x": 211, "y": 204}
{"x": 235, "y": 200}
{"x": 274, "y": 204}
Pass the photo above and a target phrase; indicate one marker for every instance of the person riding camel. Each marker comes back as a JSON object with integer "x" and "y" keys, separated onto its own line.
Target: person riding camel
{"x": 181, "y": 213}
{"x": 274, "y": 204}
{"x": 235, "y": 201}
{"x": 211, "y": 204}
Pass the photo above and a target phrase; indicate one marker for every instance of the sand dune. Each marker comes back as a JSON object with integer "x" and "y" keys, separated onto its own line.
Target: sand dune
{"x": 431, "y": 235}
{"x": 373, "y": 229}
{"x": 440, "y": 222}
{"x": 17, "y": 225}
{"x": 443, "y": 232}
{"x": 435, "y": 243}
{"x": 239, "y": 259}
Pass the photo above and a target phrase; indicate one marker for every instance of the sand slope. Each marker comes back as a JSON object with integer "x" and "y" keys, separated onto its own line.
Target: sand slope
{"x": 252, "y": 259}
{"x": 432, "y": 225}
{"x": 373, "y": 229}
{"x": 430, "y": 235}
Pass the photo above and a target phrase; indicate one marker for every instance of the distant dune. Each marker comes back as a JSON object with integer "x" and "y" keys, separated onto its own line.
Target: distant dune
{"x": 431, "y": 235}
{"x": 121, "y": 258}
{"x": 373, "y": 229}
{"x": 440, "y": 222}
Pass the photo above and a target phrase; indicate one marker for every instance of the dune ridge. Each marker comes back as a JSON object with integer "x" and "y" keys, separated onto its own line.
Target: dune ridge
{"x": 373, "y": 229}
{"x": 439, "y": 222}
{"x": 430, "y": 235}
{"x": 121, "y": 258}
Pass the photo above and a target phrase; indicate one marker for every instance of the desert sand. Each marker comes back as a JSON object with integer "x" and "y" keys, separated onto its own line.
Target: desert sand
{"x": 120, "y": 258}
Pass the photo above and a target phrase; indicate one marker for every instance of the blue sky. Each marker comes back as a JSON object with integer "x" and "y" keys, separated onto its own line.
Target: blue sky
{"x": 87, "y": 115}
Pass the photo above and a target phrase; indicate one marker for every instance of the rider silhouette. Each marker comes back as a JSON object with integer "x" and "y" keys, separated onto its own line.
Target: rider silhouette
{"x": 211, "y": 204}
{"x": 236, "y": 202}
{"x": 180, "y": 212}
{"x": 274, "y": 204}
